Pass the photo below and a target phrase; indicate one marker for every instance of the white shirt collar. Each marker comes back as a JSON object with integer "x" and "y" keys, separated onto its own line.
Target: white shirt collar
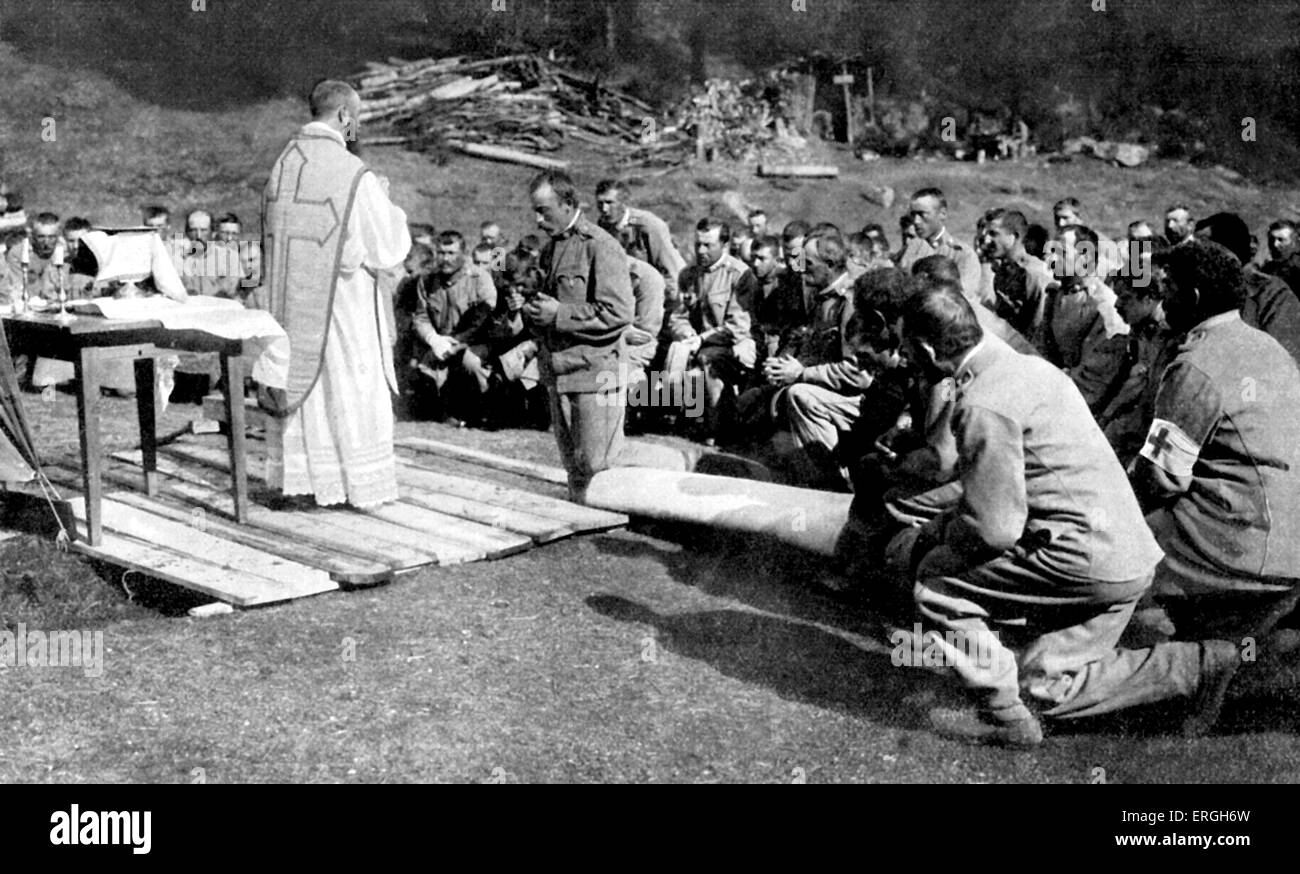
{"x": 317, "y": 127}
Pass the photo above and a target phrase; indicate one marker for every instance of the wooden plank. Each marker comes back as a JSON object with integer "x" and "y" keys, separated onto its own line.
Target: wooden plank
{"x": 343, "y": 529}
{"x": 497, "y": 153}
{"x": 240, "y": 589}
{"x": 441, "y": 532}
{"x": 294, "y": 579}
{"x": 416, "y": 489}
{"x": 573, "y": 516}
{"x": 799, "y": 171}
{"x": 544, "y": 472}
{"x": 342, "y": 568}
{"x": 440, "y": 528}
{"x": 324, "y": 529}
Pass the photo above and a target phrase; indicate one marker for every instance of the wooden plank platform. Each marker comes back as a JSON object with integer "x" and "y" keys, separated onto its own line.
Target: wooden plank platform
{"x": 277, "y": 533}
{"x": 218, "y": 576}
{"x": 544, "y": 472}
{"x": 438, "y": 531}
{"x": 185, "y": 533}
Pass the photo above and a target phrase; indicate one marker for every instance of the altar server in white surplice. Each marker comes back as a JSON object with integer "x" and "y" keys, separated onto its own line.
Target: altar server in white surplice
{"x": 329, "y": 229}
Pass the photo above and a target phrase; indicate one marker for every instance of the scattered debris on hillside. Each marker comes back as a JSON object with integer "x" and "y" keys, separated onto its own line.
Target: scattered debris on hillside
{"x": 507, "y": 108}
{"x": 1123, "y": 154}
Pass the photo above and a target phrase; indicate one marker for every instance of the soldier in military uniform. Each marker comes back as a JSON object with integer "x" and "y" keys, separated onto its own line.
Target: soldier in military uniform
{"x": 1126, "y": 417}
{"x": 41, "y": 274}
{"x": 711, "y": 329}
{"x": 1020, "y": 280}
{"x": 1081, "y": 331}
{"x": 643, "y": 234}
{"x": 455, "y": 304}
{"x": 580, "y": 316}
{"x": 1046, "y": 544}
{"x": 1220, "y": 470}
{"x": 1269, "y": 303}
{"x": 822, "y": 383}
{"x": 929, "y": 212}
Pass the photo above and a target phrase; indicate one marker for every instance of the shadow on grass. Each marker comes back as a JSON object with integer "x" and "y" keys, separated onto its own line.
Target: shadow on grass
{"x": 765, "y": 575}
{"x": 799, "y": 662}
{"x": 806, "y": 663}
{"x": 44, "y": 586}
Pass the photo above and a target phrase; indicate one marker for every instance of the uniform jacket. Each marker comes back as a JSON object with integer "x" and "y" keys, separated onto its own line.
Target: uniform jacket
{"x": 944, "y": 244}
{"x": 648, "y": 289}
{"x": 827, "y": 359}
{"x": 720, "y": 299}
{"x": 587, "y": 271}
{"x": 445, "y": 301}
{"x": 1271, "y": 306}
{"x": 1222, "y": 457}
{"x": 646, "y": 236}
{"x": 1084, "y": 335}
{"x": 1127, "y": 415}
{"x": 1020, "y": 286}
{"x": 1038, "y": 477}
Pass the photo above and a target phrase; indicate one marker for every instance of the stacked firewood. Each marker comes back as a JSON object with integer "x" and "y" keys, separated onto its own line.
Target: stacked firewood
{"x": 743, "y": 121}
{"x": 510, "y": 108}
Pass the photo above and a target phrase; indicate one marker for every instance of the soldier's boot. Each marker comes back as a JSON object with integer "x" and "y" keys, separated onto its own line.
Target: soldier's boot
{"x": 983, "y": 727}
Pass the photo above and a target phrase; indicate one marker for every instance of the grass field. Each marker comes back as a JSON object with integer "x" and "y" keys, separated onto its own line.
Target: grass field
{"x": 648, "y": 655}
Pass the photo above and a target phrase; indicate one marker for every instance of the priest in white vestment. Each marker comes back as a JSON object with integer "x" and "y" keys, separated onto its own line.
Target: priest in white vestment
{"x": 329, "y": 229}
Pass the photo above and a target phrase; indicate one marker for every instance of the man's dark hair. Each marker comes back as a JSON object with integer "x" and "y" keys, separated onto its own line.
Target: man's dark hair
{"x": 328, "y": 96}
{"x": 1229, "y": 231}
{"x": 885, "y": 291}
{"x": 830, "y": 246}
{"x": 1153, "y": 289}
{"x": 1071, "y": 202}
{"x": 942, "y": 317}
{"x": 876, "y": 233}
{"x": 825, "y": 227}
{"x": 45, "y": 218}
{"x": 1282, "y": 224}
{"x": 1083, "y": 234}
{"x": 756, "y": 213}
{"x": 76, "y": 223}
{"x": 452, "y": 238}
{"x": 1035, "y": 239}
{"x": 559, "y": 182}
{"x": 228, "y": 218}
{"x": 1211, "y": 269}
{"x": 712, "y": 223}
{"x": 769, "y": 242}
{"x": 530, "y": 243}
{"x": 153, "y": 212}
{"x": 605, "y": 186}
{"x": 934, "y": 269}
{"x": 936, "y": 193}
{"x": 14, "y": 199}
{"x": 1012, "y": 219}
{"x": 794, "y": 230}
{"x": 421, "y": 228}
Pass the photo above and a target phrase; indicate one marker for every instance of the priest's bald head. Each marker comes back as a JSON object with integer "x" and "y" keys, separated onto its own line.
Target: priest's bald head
{"x": 338, "y": 105}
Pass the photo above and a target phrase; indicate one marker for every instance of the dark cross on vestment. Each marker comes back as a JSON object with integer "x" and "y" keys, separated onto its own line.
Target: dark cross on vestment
{"x": 290, "y": 180}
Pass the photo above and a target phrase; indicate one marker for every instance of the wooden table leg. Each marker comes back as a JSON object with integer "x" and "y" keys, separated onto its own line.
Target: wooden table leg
{"x": 232, "y": 374}
{"x": 88, "y": 403}
{"x": 146, "y": 395}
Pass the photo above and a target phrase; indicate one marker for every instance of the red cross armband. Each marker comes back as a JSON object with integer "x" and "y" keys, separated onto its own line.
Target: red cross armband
{"x": 1169, "y": 448}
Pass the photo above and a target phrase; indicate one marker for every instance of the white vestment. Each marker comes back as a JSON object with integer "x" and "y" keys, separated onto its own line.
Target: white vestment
{"x": 338, "y": 445}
